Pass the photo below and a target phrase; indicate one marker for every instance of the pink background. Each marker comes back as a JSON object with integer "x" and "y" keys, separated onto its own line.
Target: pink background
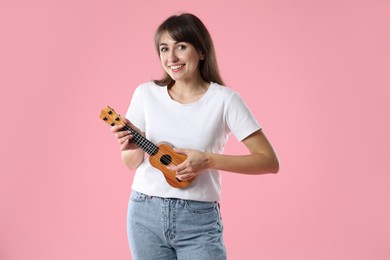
{"x": 315, "y": 74}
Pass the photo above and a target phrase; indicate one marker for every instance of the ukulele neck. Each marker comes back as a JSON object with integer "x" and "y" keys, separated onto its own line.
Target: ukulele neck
{"x": 146, "y": 145}
{"x": 112, "y": 118}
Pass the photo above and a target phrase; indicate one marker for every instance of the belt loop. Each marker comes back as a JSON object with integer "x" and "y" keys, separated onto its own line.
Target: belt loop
{"x": 219, "y": 209}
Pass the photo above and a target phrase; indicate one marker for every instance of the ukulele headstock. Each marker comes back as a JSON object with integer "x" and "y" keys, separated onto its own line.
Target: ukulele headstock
{"x": 111, "y": 117}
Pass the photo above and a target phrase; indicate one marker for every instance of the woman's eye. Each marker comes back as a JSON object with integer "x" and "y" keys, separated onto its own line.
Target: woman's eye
{"x": 163, "y": 49}
{"x": 181, "y": 47}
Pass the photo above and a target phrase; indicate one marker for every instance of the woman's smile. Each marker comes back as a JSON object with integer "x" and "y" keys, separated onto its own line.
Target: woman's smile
{"x": 177, "y": 68}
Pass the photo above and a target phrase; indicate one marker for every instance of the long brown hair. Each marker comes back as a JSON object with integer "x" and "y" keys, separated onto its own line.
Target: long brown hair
{"x": 189, "y": 28}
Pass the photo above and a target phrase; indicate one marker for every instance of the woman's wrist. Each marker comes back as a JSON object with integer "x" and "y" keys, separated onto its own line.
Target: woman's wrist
{"x": 209, "y": 160}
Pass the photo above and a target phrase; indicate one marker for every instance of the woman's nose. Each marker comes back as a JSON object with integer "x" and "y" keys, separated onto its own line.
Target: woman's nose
{"x": 172, "y": 56}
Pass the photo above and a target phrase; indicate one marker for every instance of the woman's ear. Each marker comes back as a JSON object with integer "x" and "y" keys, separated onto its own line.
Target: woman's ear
{"x": 201, "y": 55}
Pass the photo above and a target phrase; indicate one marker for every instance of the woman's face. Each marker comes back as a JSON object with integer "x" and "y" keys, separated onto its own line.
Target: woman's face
{"x": 179, "y": 59}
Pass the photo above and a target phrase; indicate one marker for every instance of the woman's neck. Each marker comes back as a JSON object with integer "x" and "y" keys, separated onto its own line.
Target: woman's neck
{"x": 194, "y": 85}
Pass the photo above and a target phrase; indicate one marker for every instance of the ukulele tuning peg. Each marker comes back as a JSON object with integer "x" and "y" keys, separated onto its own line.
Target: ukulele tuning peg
{"x": 112, "y": 124}
{"x": 105, "y": 118}
{"x": 110, "y": 112}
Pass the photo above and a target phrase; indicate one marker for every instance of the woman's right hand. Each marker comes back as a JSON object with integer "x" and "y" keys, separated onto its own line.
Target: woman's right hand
{"x": 125, "y": 137}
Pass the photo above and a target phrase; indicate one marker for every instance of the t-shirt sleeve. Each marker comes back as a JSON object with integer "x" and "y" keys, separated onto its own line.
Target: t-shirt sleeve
{"x": 240, "y": 119}
{"x": 136, "y": 111}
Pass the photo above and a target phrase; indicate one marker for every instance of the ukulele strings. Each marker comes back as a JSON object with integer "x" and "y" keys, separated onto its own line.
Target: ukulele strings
{"x": 150, "y": 146}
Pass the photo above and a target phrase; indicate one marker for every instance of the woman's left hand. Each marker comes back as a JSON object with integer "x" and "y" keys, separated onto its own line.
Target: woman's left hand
{"x": 196, "y": 162}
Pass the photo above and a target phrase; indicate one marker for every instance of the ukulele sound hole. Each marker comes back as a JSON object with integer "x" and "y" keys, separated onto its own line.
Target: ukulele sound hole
{"x": 166, "y": 159}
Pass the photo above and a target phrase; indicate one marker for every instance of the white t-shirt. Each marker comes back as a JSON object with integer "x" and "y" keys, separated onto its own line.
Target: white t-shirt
{"x": 203, "y": 125}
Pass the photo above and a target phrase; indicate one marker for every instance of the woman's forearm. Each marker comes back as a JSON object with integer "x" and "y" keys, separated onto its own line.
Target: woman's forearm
{"x": 247, "y": 164}
{"x": 133, "y": 158}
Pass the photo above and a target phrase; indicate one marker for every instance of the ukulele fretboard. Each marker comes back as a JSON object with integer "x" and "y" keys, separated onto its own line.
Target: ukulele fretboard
{"x": 141, "y": 141}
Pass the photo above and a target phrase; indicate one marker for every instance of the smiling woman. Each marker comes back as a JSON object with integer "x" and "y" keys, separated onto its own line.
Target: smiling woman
{"x": 190, "y": 108}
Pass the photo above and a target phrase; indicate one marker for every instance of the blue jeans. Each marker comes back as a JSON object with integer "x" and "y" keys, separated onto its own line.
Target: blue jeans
{"x": 167, "y": 229}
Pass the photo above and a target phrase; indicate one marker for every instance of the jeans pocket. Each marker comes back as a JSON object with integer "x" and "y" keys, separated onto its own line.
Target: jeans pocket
{"x": 200, "y": 207}
{"x": 137, "y": 196}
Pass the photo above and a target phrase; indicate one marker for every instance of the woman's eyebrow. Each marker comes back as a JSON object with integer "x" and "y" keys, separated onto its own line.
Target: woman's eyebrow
{"x": 163, "y": 43}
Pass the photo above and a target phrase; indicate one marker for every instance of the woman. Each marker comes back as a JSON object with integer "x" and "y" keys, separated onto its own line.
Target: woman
{"x": 191, "y": 109}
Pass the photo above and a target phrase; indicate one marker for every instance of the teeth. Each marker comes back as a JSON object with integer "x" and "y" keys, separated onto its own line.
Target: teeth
{"x": 176, "y": 67}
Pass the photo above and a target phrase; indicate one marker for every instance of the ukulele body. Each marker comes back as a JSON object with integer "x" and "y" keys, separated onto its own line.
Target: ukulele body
{"x": 166, "y": 157}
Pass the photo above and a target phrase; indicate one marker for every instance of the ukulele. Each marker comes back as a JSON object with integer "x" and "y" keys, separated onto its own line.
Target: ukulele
{"x": 160, "y": 156}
